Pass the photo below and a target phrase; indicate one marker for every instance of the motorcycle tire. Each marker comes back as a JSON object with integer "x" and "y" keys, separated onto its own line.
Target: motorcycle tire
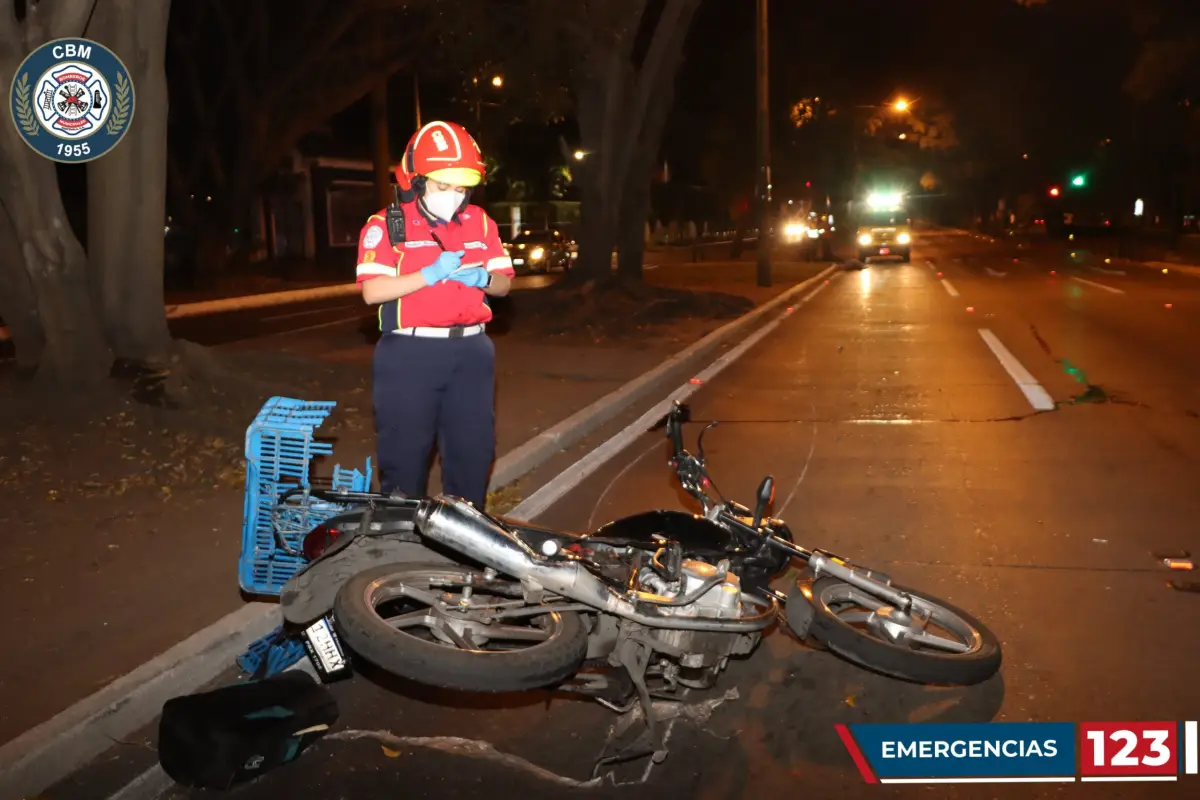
{"x": 917, "y": 666}
{"x": 433, "y": 664}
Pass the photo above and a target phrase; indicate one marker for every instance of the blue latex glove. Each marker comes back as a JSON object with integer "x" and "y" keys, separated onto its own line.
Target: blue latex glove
{"x": 439, "y": 270}
{"x": 475, "y": 277}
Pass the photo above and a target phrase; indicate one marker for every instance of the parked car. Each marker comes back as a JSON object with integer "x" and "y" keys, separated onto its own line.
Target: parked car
{"x": 541, "y": 251}
{"x": 810, "y": 234}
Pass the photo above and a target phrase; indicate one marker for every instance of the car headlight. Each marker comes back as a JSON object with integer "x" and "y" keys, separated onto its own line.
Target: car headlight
{"x": 904, "y": 238}
{"x": 812, "y": 234}
{"x": 794, "y": 229}
{"x": 865, "y": 239}
{"x": 536, "y": 254}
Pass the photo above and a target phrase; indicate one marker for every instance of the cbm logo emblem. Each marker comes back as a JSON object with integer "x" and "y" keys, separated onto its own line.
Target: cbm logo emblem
{"x": 72, "y": 100}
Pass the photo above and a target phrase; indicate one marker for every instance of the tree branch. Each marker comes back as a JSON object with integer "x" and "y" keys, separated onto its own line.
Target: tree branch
{"x": 316, "y": 54}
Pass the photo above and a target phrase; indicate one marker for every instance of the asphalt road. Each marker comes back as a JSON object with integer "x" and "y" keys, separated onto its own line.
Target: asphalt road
{"x": 898, "y": 437}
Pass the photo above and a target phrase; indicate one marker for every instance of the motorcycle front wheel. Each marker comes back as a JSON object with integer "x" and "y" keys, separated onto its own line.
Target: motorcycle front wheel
{"x": 447, "y": 626}
{"x": 940, "y": 645}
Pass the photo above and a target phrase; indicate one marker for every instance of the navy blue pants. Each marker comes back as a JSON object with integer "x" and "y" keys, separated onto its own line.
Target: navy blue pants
{"x": 435, "y": 390}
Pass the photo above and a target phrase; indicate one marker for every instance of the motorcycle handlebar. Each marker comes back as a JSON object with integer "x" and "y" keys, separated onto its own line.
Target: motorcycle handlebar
{"x": 675, "y": 419}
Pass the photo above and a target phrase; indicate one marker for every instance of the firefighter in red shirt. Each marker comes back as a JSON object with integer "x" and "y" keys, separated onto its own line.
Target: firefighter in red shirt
{"x": 434, "y": 366}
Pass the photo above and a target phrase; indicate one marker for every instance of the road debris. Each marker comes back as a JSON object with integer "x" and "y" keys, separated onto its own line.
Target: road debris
{"x": 470, "y": 748}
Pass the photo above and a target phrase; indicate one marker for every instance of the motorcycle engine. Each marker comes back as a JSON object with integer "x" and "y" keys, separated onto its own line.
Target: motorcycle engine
{"x": 705, "y": 653}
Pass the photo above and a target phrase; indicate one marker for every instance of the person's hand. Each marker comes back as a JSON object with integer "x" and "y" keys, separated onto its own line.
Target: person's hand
{"x": 475, "y": 277}
{"x": 439, "y": 270}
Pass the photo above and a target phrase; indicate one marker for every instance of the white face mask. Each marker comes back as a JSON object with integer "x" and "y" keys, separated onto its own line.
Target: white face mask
{"x": 442, "y": 204}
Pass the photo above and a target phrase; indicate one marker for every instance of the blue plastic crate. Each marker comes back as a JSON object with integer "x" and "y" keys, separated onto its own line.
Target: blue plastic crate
{"x": 280, "y": 447}
{"x": 279, "y": 654}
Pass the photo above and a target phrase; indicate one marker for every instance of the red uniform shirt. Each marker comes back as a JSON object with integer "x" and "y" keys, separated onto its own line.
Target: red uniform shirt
{"x": 446, "y": 303}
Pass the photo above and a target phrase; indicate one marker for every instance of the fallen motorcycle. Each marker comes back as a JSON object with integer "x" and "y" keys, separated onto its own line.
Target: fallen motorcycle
{"x": 444, "y": 594}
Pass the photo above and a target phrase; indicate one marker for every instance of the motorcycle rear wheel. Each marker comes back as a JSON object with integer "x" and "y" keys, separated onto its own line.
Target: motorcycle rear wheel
{"x": 449, "y": 644}
{"x": 849, "y": 638}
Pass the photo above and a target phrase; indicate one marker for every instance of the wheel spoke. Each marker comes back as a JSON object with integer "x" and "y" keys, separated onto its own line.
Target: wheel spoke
{"x": 420, "y": 617}
{"x": 939, "y": 643}
{"x": 461, "y": 640}
{"x": 422, "y": 596}
{"x": 516, "y": 633}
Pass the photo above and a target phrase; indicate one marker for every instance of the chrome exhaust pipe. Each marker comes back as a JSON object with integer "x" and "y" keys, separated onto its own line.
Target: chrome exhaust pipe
{"x": 460, "y": 526}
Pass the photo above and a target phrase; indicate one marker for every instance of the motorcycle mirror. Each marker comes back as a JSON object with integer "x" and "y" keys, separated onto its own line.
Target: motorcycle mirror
{"x": 766, "y": 494}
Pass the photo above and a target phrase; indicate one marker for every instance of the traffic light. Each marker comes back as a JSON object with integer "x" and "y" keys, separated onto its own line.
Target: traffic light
{"x": 1055, "y": 191}
{"x": 1079, "y": 181}
{"x": 808, "y": 184}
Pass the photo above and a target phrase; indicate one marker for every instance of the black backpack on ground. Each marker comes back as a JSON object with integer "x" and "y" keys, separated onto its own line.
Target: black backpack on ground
{"x": 216, "y": 739}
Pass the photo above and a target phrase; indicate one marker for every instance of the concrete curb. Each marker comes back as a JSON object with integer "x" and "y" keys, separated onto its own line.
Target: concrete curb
{"x": 264, "y": 300}
{"x": 267, "y": 299}
{"x": 46, "y": 754}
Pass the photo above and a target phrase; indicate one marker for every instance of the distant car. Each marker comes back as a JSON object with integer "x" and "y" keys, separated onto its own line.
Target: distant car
{"x": 811, "y": 234}
{"x": 541, "y": 251}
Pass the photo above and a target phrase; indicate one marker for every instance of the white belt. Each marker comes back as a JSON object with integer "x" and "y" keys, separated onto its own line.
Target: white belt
{"x": 455, "y": 332}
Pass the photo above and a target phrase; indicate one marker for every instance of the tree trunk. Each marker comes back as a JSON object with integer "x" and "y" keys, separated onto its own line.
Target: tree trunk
{"x": 55, "y": 265}
{"x": 596, "y": 234}
{"x": 127, "y": 188}
{"x": 18, "y": 305}
{"x": 631, "y": 229}
{"x": 635, "y": 203}
{"x": 40, "y": 241}
{"x": 621, "y": 116}
{"x": 380, "y": 143}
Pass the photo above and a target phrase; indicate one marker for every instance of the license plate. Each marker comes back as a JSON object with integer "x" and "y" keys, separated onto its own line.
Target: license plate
{"x": 518, "y": 261}
{"x": 325, "y": 651}
{"x": 883, "y": 251}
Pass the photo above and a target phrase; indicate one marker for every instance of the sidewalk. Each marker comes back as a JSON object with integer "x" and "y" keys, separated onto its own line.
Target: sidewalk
{"x": 130, "y": 545}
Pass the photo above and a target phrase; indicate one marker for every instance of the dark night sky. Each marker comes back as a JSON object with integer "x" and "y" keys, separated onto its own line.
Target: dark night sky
{"x": 1044, "y": 80}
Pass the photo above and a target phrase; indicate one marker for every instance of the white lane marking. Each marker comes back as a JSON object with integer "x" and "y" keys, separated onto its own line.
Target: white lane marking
{"x": 1104, "y": 271}
{"x": 931, "y": 265}
{"x": 950, "y": 288}
{"x": 1038, "y": 397}
{"x": 994, "y": 273}
{"x": 1112, "y": 289}
{"x": 572, "y": 476}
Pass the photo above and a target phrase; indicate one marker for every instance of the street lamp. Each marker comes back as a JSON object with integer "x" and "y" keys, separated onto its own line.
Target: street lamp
{"x": 579, "y": 155}
{"x": 498, "y": 81}
{"x": 901, "y": 105}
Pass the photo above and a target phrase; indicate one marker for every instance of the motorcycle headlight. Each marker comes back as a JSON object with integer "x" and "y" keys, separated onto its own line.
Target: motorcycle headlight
{"x": 865, "y": 239}
{"x": 904, "y": 238}
{"x": 536, "y": 253}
